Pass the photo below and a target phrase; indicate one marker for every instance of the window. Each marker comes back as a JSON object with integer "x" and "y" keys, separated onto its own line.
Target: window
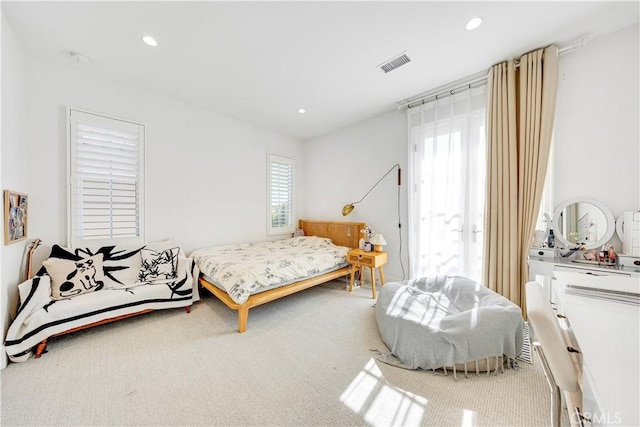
{"x": 281, "y": 212}
{"x": 446, "y": 178}
{"x": 106, "y": 187}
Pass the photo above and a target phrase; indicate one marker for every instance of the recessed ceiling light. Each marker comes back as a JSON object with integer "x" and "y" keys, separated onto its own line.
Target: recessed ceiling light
{"x": 150, "y": 41}
{"x": 473, "y": 23}
{"x": 302, "y": 111}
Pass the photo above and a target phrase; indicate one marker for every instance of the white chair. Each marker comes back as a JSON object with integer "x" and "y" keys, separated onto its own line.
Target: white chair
{"x": 552, "y": 350}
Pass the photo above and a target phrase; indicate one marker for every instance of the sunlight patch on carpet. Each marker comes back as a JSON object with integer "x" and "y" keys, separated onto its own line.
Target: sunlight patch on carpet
{"x": 381, "y": 404}
{"x": 468, "y": 418}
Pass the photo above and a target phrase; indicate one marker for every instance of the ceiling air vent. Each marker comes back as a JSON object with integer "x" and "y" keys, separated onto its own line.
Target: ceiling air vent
{"x": 395, "y": 62}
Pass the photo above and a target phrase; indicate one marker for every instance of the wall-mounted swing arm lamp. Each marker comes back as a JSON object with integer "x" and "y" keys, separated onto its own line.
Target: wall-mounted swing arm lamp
{"x": 347, "y": 209}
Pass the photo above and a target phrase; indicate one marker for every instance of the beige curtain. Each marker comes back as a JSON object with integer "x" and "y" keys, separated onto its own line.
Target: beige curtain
{"x": 520, "y": 111}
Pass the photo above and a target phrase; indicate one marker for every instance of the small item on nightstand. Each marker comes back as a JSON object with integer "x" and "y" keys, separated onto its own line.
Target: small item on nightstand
{"x": 361, "y": 243}
{"x": 368, "y": 247}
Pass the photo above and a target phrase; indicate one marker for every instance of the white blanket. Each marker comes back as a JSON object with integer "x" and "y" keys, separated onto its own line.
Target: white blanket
{"x": 39, "y": 317}
{"x": 245, "y": 269}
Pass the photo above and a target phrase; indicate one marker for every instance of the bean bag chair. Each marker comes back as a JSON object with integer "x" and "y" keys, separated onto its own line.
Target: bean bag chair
{"x": 447, "y": 321}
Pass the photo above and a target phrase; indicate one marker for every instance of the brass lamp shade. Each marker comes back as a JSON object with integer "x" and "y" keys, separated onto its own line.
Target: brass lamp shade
{"x": 346, "y": 209}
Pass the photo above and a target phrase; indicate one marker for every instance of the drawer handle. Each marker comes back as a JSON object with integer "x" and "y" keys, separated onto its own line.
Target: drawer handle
{"x": 541, "y": 253}
{"x": 636, "y": 262}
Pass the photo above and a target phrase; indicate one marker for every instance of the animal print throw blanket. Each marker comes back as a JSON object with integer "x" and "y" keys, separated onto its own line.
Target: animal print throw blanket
{"x": 79, "y": 287}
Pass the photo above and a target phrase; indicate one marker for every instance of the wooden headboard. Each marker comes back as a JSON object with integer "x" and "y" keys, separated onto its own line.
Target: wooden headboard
{"x": 341, "y": 233}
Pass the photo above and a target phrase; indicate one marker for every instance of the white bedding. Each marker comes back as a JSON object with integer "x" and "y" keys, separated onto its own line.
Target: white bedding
{"x": 245, "y": 269}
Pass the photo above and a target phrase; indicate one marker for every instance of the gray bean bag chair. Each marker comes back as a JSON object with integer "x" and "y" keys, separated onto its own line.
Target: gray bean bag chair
{"x": 447, "y": 321}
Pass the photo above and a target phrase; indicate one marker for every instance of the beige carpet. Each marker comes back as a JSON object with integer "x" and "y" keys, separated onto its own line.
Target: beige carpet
{"x": 304, "y": 360}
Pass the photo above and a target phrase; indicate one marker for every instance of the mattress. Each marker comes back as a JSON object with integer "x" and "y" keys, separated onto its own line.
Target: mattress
{"x": 245, "y": 269}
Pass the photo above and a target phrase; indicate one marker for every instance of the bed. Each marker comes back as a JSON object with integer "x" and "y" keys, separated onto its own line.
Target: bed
{"x": 272, "y": 265}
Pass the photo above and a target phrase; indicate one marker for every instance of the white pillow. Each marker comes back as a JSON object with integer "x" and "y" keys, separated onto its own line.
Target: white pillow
{"x": 120, "y": 264}
{"x": 73, "y": 278}
{"x": 162, "y": 245}
{"x": 158, "y": 267}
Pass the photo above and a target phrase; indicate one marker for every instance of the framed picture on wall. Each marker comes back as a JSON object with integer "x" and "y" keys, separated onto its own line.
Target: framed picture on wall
{"x": 15, "y": 216}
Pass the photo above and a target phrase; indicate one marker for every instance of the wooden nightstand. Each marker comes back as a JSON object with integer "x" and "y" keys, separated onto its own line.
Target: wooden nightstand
{"x": 360, "y": 259}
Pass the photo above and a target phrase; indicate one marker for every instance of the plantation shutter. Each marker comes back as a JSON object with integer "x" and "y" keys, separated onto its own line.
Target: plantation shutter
{"x": 106, "y": 172}
{"x": 281, "y": 212}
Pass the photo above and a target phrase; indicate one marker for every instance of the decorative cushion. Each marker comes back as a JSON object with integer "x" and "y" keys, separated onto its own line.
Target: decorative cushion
{"x": 73, "y": 278}
{"x": 158, "y": 267}
{"x": 120, "y": 265}
{"x": 161, "y": 245}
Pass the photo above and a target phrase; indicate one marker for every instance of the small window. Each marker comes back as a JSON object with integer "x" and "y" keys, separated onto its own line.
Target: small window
{"x": 106, "y": 188}
{"x": 280, "y": 192}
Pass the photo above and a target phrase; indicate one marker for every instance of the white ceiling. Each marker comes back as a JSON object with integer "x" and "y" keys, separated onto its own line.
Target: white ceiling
{"x": 261, "y": 61}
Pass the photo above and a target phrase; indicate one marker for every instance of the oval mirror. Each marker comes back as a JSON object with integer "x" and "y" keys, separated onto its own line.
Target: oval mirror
{"x": 583, "y": 222}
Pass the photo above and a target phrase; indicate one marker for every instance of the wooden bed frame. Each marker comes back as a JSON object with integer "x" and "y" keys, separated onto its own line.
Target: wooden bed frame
{"x": 341, "y": 233}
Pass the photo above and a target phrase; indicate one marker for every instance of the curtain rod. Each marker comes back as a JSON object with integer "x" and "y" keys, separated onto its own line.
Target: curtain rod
{"x": 572, "y": 46}
{"x": 562, "y": 50}
{"x": 475, "y": 80}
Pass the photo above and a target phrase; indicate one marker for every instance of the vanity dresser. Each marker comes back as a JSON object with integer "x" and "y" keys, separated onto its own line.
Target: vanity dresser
{"x": 598, "y": 305}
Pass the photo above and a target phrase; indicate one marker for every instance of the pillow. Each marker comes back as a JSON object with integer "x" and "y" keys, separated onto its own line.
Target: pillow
{"x": 120, "y": 264}
{"x": 158, "y": 267}
{"x": 73, "y": 278}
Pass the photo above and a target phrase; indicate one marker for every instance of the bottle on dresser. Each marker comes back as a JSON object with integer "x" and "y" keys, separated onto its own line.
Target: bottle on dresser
{"x": 550, "y": 240}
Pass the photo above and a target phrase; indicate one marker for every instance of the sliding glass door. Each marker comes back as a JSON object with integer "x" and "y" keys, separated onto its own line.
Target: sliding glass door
{"x": 447, "y": 185}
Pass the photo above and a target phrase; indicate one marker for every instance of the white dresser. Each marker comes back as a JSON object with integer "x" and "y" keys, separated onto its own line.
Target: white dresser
{"x": 543, "y": 263}
{"x": 606, "y": 332}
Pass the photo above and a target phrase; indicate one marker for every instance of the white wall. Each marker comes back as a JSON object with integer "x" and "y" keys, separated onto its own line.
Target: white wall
{"x": 15, "y": 170}
{"x": 597, "y": 144}
{"x": 342, "y": 166}
{"x": 205, "y": 172}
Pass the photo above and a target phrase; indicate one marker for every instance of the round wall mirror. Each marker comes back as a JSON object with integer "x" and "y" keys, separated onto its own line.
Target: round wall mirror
{"x": 583, "y": 222}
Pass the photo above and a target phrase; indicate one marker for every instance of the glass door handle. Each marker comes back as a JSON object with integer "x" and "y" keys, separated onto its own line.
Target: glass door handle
{"x": 475, "y": 232}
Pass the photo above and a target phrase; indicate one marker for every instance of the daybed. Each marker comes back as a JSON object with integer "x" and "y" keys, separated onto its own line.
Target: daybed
{"x": 81, "y": 288}
{"x": 247, "y": 275}
{"x": 448, "y": 322}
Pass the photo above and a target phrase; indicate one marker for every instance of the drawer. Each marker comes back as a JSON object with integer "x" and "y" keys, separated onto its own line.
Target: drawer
{"x": 593, "y": 271}
{"x": 367, "y": 261}
{"x": 544, "y": 253}
{"x": 629, "y": 261}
